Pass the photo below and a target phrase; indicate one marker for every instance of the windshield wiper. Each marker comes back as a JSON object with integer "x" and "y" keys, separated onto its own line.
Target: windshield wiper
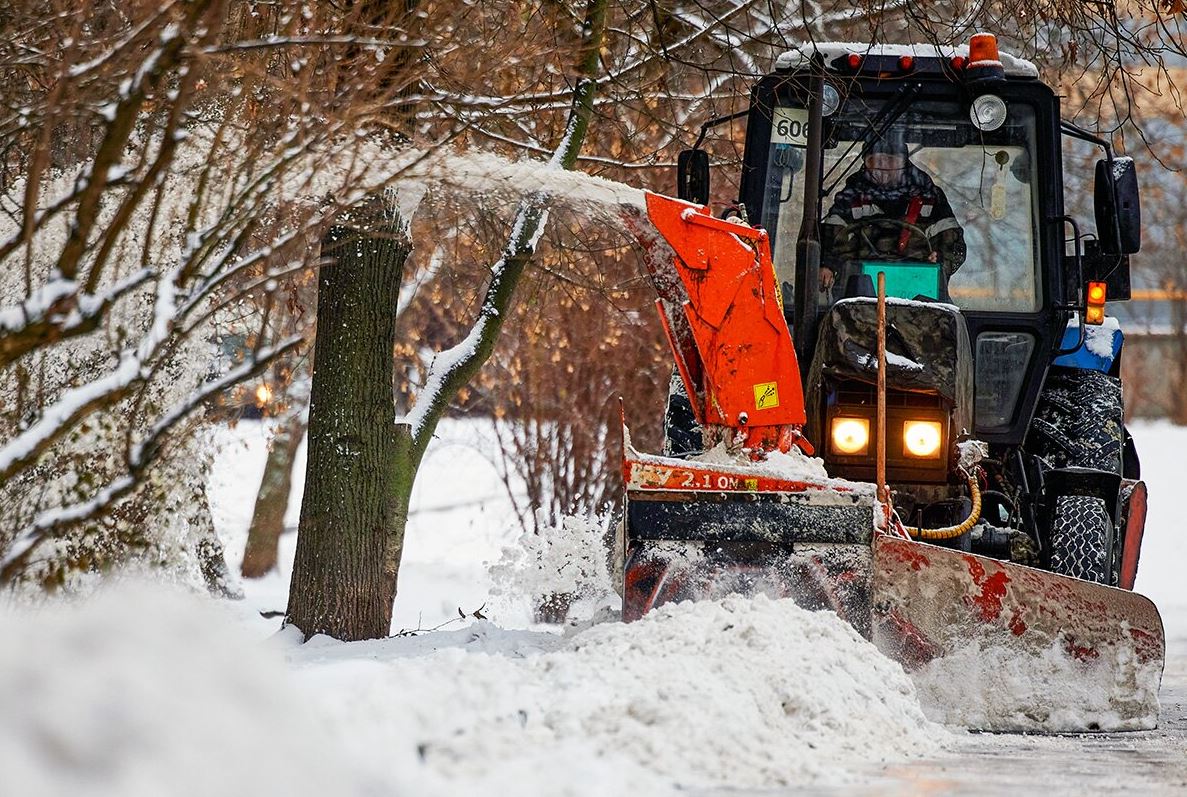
{"x": 891, "y": 111}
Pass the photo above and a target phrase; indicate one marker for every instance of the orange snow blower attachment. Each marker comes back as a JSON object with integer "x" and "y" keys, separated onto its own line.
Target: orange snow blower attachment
{"x": 753, "y": 513}
{"x": 720, "y": 308}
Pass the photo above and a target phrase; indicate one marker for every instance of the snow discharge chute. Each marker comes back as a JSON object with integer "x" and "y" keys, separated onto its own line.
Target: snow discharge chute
{"x": 755, "y": 513}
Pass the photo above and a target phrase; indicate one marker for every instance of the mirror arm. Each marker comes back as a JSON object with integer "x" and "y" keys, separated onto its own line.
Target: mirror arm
{"x": 1077, "y": 306}
{"x": 1078, "y": 132}
{"x": 714, "y": 122}
{"x": 1082, "y": 134}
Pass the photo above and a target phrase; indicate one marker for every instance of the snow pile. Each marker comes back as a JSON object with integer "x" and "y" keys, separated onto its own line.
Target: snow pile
{"x": 794, "y": 465}
{"x": 143, "y": 692}
{"x": 1101, "y": 339}
{"x": 567, "y": 560}
{"x": 744, "y": 693}
{"x": 1043, "y": 692}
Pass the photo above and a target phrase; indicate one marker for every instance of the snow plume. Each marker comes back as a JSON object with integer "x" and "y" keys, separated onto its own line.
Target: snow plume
{"x": 566, "y": 561}
{"x": 488, "y": 174}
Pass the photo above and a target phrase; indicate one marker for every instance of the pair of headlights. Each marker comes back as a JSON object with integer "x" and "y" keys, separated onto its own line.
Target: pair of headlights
{"x": 851, "y": 437}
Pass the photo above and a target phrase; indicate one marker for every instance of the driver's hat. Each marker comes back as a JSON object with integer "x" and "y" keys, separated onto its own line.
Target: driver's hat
{"x": 892, "y": 142}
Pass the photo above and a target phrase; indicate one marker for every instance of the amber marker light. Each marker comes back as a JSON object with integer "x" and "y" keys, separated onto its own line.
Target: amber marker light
{"x": 1094, "y": 313}
{"x": 851, "y": 435}
{"x": 983, "y": 49}
{"x": 923, "y": 438}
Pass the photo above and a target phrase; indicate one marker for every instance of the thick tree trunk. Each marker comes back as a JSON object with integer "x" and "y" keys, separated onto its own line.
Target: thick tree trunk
{"x": 267, "y": 520}
{"x": 351, "y": 527}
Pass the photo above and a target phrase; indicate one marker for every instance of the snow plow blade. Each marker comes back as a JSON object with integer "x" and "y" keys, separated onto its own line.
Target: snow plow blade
{"x": 999, "y": 646}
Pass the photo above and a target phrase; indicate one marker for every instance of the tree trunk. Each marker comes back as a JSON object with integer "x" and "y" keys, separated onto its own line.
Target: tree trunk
{"x": 267, "y": 520}
{"x": 351, "y": 527}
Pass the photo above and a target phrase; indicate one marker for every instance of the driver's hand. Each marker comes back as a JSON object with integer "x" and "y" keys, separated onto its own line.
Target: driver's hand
{"x": 933, "y": 257}
{"x": 826, "y": 278}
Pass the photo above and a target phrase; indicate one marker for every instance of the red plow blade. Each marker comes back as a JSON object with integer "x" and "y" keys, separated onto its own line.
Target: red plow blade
{"x": 998, "y": 646}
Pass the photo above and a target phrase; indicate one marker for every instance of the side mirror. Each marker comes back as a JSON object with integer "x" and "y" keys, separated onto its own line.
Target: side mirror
{"x": 1118, "y": 207}
{"x": 692, "y": 176}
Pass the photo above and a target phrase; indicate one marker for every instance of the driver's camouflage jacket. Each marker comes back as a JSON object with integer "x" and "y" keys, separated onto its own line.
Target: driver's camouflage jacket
{"x": 852, "y": 230}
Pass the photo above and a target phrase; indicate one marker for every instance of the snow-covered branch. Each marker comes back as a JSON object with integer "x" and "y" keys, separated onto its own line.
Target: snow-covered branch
{"x": 139, "y": 457}
{"x": 160, "y": 194}
{"x": 58, "y": 311}
{"x": 453, "y": 369}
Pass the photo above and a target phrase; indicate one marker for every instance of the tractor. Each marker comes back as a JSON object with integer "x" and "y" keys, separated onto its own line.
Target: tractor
{"x": 943, "y": 460}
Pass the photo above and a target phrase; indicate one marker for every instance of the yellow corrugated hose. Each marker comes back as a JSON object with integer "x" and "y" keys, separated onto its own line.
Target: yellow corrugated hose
{"x": 951, "y": 532}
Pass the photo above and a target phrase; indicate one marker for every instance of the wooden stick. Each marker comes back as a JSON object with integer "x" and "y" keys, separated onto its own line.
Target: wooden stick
{"x": 880, "y": 473}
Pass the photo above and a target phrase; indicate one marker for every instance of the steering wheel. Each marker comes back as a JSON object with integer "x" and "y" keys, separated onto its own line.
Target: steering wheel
{"x": 856, "y": 227}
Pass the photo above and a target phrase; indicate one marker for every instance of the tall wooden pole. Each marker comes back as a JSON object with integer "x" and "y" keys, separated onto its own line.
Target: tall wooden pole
{"x": 880, "y": 473}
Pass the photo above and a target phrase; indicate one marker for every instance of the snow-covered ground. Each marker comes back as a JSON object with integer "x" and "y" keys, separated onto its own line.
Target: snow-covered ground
{"x": 742, "y": 693}
{"x": 143, "y": 691}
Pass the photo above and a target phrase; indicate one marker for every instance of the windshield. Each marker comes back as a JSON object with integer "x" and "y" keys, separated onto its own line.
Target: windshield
{"x": 947, "y": 211}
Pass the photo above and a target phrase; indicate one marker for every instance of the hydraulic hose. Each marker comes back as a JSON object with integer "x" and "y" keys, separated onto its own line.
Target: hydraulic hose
{"x": 952, "y": 532}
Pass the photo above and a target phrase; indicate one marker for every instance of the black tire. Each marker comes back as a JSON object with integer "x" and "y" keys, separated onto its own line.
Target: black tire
{"x": 1078, "y": 421}
{"x": 1081, "y": 538}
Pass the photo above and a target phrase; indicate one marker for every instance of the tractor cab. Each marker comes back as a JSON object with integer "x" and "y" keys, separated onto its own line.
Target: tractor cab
{"x": 941, "y": 168}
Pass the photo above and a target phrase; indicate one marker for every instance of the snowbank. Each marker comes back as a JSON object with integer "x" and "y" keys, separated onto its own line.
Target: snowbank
{"x": 1160, "y": 445}
{"x": 741, "y": 693}
{"x": 145, "y": 692}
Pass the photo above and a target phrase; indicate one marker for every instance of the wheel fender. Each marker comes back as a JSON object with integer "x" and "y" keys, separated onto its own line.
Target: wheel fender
{"x": 1133, "y": 527}
{"x": 1102, "y": 484}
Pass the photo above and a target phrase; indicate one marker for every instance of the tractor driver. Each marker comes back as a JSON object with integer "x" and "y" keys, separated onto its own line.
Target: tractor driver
{"x": 890, "y": 210}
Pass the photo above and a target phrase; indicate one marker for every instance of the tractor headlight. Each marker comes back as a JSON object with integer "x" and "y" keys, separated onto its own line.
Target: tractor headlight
{"x": 988, "y": 112}
{"x": 922, "y": 438}
{"x": 851, "y": 435}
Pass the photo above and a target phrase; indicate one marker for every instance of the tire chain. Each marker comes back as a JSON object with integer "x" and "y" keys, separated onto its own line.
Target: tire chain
{"x": 1065, "y": 434}
{"x": 1080, "y": 532}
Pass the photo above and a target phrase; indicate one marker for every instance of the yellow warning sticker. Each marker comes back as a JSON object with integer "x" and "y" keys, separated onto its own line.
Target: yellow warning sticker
{"x": 766, "y": 396}
{"x": 752, "y": 485}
